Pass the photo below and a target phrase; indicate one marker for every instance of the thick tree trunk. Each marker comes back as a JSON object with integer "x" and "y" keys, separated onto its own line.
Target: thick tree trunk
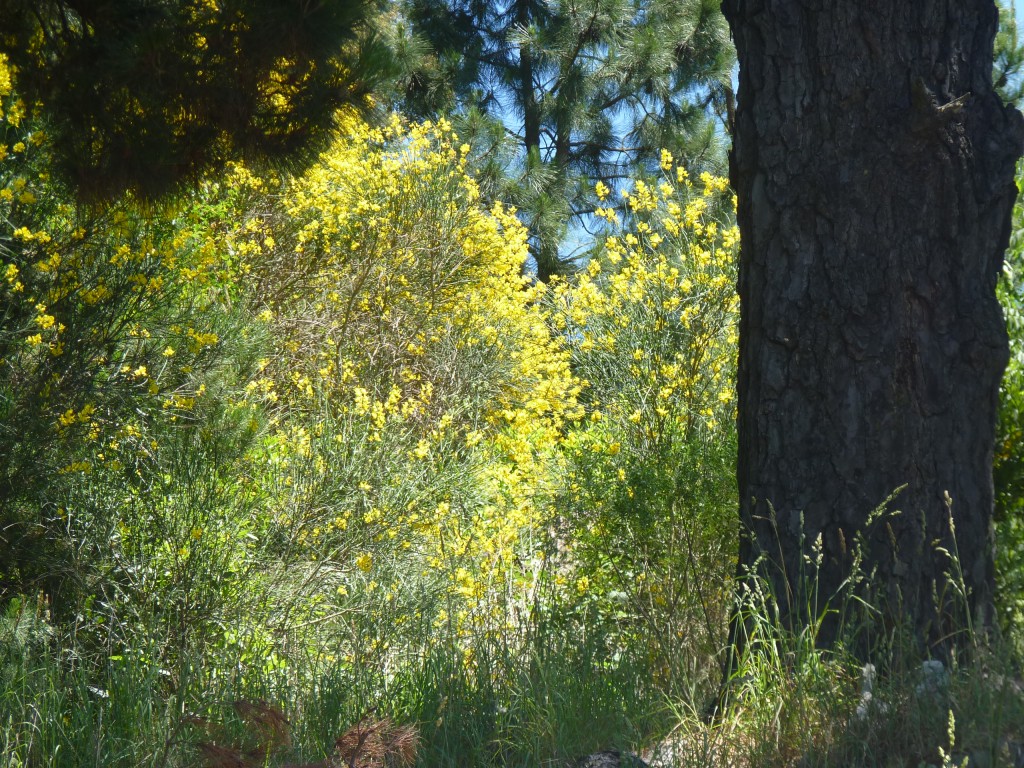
{"x": 874, "y": 167}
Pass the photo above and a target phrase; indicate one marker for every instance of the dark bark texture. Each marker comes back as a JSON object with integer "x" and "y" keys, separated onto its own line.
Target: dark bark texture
{"x": 874, "y": 167}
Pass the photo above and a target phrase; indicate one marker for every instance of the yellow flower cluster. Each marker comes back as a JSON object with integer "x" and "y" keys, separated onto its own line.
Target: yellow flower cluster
{"x": 87, "y": 297}
{"x": 419, "y": 393}
{"x": 12, "y": 109}
{"x": 652, "y": 323}
{"x": 658, "y": 307}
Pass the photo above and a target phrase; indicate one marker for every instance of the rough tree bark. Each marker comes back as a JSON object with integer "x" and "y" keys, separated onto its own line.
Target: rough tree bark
{"x": 874, "y": 168}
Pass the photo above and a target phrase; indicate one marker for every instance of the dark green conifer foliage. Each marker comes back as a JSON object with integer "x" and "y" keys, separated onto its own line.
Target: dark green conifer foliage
{"x": 145, "y": 94}
{"x": 586, "y": 90}
{"x": 1008, "y": 64}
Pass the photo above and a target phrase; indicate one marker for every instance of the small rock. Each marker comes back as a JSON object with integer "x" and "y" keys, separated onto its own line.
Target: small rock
{"x": 610, "y": 759}
{"x": 934, "y": 678}
{"x": 868, "y": 702}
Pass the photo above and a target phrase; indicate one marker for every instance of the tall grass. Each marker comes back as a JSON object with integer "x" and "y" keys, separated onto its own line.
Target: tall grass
{"x": 872, "y": 697}
{"x": 497, "y": 702}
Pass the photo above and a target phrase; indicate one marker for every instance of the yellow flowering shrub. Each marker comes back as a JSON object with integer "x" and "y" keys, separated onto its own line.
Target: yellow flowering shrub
{"x": 651, "y": 323}
{"x": 417, "y": 393}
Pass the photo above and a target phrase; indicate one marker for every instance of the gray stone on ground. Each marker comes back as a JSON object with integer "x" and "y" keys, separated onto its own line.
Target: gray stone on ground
{"x": 610, "y": 759}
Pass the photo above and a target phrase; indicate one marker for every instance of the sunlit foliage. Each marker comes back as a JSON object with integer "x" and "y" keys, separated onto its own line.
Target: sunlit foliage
{"x": 416, "y": 394}
{"x": 651, "y": 323}
{"x": 1008, "y": 470}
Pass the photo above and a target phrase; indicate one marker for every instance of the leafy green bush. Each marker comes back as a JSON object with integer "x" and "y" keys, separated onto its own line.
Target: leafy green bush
{"x": 104, "y": 336}
{"x": 1008, "y": 472}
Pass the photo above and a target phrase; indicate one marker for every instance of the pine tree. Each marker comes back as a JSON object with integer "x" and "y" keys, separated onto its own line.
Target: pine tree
{"x": 874, "y": 166}
{"x": 1008, "y": 64}
{"x": 587, "y": 90}
{"x": 145, "y": 94}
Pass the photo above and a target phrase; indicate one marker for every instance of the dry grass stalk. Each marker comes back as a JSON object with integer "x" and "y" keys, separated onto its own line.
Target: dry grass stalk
{"x": 369, "y": 743}
{"x": 268, "y": 725}
{"x": 378, "y": 744}
{"x": 222, "y": 757}
{"x": 273, "y": 731}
